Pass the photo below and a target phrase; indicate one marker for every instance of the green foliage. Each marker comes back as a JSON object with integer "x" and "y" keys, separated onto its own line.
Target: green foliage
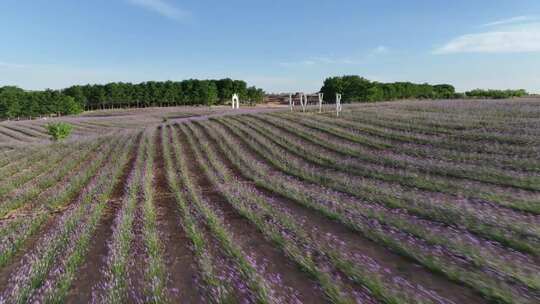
{"x": 496, "y": 94}
{"x": 168, "y": 93}
{"x": 358, "y": 89}
{"x": 15, "y": 102}
{"x": 59, "y": 130}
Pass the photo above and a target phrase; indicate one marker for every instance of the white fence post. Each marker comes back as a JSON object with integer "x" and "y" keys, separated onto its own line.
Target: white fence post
{"x": 303, "y": 101}
{"x": 291, "y": 102}
{"x": 321, "y": 96}
{"x": 338, "y": 104}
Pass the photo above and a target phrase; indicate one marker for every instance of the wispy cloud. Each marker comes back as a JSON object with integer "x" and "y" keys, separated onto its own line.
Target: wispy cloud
{"x": 8, "y": 65}
{"x": 513, "y": 20}
{"x": 381, "y": 49}
{"x": 514, "y": 35}
{"x": 163, "y": 8}
{"x": 336, "y": 60}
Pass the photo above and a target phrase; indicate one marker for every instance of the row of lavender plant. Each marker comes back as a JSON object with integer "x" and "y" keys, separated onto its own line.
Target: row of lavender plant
{"x": 116, "y": 286}
{"x": 257, "y": 287}
{"x": 450, "y": 143}
{"x": 36, "y": 169}
{"x": 59, "y": 284}
{"x": 42, "y": 210}
{"x": 422, "y": 205}
{"x": 470, "y": 164}
{"x": 401, "y": 245}
{"x": 482, "y": 253}
{"x": 50, "y": 177}
{"x": 285, "y": 233}
{"x": 381, "y": 140}
{"x": 350, "y": 132}
{"x": 40, "y": 266}
{"x": 473, "y": 158}
{"x": 156, "y": 274}
{"x": 11, "y": 156}
{"x": 496, "y": 133}
{"x": 386, "y": 286}
{"x": 34, "y": 158}
{"x": 13, "y": 135}
{"x": 503, "y": 135}
{"x": 390, "y": 170}
{"x": 218, "y": 290}
{"x": 457, "y": 119}
{"x": 25, "y": 132}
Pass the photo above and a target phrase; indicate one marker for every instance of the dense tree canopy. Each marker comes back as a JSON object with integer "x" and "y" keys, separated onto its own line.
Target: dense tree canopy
{"x": 168, "y": 93}
{"x": 358, "y": 89}
{"x": 15, "y": 102}
{"x": 497, "y": 94}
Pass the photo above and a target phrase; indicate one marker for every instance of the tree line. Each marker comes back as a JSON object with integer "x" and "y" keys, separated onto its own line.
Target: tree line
{"x": 496, "y": 94}
{"x": 15, "y": 102}
{"x": 358, "y": 89}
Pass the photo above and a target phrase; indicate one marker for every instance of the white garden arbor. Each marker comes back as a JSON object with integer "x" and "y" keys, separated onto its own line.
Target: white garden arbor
{"x": 235, "y": 101}
{"x": 304, "y": 101}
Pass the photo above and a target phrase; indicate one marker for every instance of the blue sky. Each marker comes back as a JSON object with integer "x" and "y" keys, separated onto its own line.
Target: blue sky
{"x": 278, "y": 45}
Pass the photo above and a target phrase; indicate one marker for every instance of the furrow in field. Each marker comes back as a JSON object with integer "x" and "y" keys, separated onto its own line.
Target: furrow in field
{"x": 118, "y": 284}
{"x": 382, "y": 139}
{"x": 482, "y": 253}
{"x": 240, "y": 273}
{"x": 25, "y": 132}
{"x": 504, "y": 147}
{"x": 428, "y": 178}
{"x": 419, "y": 154}
{"x": 179, "y": 260}
{"x": 216, "y": 274}
{"x": 439, "y": 260}
{"x": 35, "y": 128}
{"x": 89, "y": 271}
{"x": 348, "y": 250}
{"x": 288, "y": 283}
{"x": 427, "y": 206}
{"x": 46, "y": 163}
{"x": 28, "y": 192}
{"x": 48, "y": 206}
{"x": 31, "y": 158}
{"x": 17, "y": 136}
{"x": 10, "y": 157}
{"x": 483, "y": 132}
{"x": 495, "y": 198}
{"x": 46, "y": 271}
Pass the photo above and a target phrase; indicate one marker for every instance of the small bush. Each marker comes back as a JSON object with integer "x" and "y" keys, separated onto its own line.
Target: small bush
{"x": 59, "y": 130}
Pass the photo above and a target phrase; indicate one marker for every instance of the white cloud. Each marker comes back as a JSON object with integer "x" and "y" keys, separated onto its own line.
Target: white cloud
{"x": 513, "y": 20}
{"x": 7, "y": 65}
{"x": 381, "y": 49}
{"x": 508, "y": 38}
{"x": 163, "y": 8}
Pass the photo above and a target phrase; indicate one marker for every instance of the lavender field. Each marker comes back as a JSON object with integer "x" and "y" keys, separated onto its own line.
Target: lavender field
{"x": 394, "y": 202}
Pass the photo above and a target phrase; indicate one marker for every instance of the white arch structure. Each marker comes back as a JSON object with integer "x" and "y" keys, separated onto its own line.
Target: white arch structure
{"x": 235, "y": 101}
